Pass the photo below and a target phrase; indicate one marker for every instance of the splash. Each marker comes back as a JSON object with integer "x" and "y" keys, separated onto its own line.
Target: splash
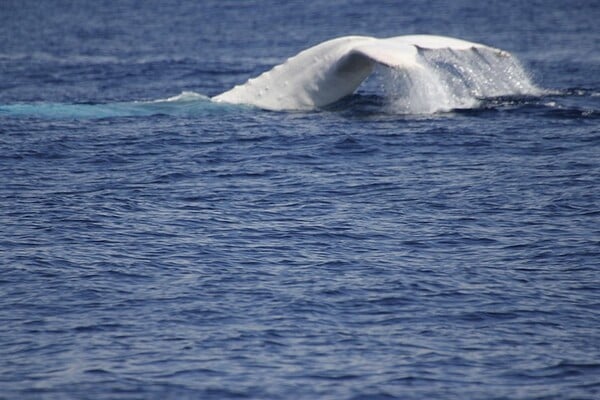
{"x": 448, "y": 80}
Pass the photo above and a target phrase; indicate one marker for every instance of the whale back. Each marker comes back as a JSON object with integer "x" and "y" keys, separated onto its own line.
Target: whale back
{"x": 314, "y": 77}
{"x": 334, "y": 69}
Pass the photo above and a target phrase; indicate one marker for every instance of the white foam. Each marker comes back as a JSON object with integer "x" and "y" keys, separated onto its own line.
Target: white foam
{"x": 183, "y": 97}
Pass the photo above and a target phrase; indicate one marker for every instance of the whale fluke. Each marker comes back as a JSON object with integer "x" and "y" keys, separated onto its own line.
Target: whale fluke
{"x": 327, "y": 72}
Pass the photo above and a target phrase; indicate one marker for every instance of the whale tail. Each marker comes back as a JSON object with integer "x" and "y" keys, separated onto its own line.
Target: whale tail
{"x": 433, "y": 67}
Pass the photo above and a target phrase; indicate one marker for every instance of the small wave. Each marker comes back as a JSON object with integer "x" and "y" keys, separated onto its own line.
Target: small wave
{"x": 184, "y": 96}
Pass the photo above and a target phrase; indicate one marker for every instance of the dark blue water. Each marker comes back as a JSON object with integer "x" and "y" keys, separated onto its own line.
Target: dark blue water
{"x": 184, "y": 249}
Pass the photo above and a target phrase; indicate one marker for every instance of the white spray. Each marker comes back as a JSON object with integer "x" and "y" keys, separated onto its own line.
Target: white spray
{"x": 447, "y": 80}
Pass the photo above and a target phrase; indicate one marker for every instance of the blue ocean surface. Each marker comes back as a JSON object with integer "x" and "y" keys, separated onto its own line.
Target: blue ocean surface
{"x": 157, "y": 245}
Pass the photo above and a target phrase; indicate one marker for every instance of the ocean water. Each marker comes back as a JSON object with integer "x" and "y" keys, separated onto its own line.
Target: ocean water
{"x": 156, "y": 245}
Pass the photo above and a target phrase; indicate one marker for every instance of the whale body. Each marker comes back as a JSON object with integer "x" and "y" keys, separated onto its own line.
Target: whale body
{"x": 329, "y": 71}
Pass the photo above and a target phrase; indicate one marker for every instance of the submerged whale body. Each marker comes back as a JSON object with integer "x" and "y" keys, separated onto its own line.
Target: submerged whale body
{"x": 434, "y": 72}
{"x": 418, "y": 74}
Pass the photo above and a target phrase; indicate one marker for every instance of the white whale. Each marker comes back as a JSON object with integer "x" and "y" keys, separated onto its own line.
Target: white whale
{"x": 442, "y": 66}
